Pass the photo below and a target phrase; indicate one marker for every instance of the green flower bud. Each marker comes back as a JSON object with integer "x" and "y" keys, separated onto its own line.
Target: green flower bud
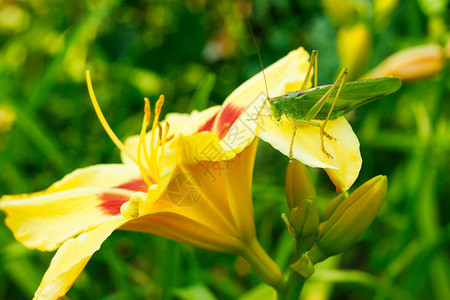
{"x": 288, "y": 225}
{"x": 299, "y": 185}
{"x": 305, "y": 218}
{"x": 303, "y": 266}
{"x": 350, "y": 219}
{"x": 332, "y": 205}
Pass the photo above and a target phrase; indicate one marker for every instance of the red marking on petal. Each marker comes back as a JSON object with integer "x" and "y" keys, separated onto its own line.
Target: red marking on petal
{"x": 227, "y": 118}
{"x": 138, "y": 185}
{"x": 208, "y": 125}
{"x": 111, "y": 202}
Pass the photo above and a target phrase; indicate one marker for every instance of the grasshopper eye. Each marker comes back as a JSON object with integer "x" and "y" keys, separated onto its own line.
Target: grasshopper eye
{"x": 275, "y": 103}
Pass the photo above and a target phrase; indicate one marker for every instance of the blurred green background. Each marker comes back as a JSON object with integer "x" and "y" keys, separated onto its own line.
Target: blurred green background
{"x": 197, "y": 52}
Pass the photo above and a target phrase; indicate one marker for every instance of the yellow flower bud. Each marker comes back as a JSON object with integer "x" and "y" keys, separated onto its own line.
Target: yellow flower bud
{"x": 305, "y": 218}
{"x": 299, "y": 185}
{"x": 354, "y": 44}
{"x": 7, "y": 117}
{"x": 340, "y": 12}
{"x": 382, "y": 11}
{"x": 411, "y": 64}
{"x": 350, "y": 219}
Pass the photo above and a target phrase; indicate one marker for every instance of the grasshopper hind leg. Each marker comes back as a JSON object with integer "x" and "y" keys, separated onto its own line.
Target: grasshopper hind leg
{"x": 322, "y": 133}
{"x": 341, "y": 79}
{"x": 315, "y": 109}
{"x": 328, "y": 136}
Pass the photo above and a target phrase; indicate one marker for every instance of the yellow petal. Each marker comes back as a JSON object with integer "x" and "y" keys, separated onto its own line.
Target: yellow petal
{"x": 203, "y": 146}
{"x": 107, "y": 175}
{"x": 196, "y": 122}
{"x": 82, "y": 200}
{"x": 186, "y": 230}
{"x": 71, "y": 258}
{"x": 232, "y": 124}
{"x": 238, "y": 180}
{"x": 345, "y": 165}
{"x": 207, "y": 204}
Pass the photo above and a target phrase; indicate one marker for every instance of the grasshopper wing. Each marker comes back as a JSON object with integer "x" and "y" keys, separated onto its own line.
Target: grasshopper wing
{"x": 353, "y": 95}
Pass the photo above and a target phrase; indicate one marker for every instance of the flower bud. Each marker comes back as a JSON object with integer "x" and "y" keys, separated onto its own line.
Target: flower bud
{"x": 349, "y": 220}
{"x": 340, "y": 12}
{"x": 298, "y": 184}
{"x": 332, "y": 205}
{"x": 7, "y": 117}
{"x": 354, "y": 44}
{"x": 288, "y": 225}
{"x": 383, "y": 11}
{"x": 305, "y": 219}
{"x": 411, "y": 64}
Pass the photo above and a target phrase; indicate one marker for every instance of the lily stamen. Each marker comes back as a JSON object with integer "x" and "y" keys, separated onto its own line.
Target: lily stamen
{"x": 141, "y": 144}
{"x": 153, "y": 162}
{"x": 164, "y": 138}
{"x": 160, "y": 133}
{"x": 143, "y": 134}
{"x": 103, "y": 121}
{"x": 147, "y": 175}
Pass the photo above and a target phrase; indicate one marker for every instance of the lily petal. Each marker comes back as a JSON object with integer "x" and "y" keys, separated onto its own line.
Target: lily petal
{"x": 232, "y": 124}
{"x": 238, "y": 180}
{"x": 204, "y": 146}
{"x": 71, "y": 258}
{"x": 207, "y": 204}
{"x": 343, "y": 168}
{"x": 198, "y": 121}
{"x": 80, "y": 201}
{"x": 185, "y": 230}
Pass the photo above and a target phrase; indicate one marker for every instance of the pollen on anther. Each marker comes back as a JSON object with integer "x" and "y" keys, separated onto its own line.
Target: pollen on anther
{"x": 147, "y": 111}
{"x": 159, "y": 105}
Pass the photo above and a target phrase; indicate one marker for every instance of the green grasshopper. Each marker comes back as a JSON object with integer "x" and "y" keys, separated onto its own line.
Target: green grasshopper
{"x": 324, "y": 102}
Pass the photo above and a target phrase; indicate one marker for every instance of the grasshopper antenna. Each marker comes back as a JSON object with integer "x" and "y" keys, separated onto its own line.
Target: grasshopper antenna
{"x": 260, "y": 60}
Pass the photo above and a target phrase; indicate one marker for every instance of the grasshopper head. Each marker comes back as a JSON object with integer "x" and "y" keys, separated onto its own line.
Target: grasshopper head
{"x": 275, "y": 109}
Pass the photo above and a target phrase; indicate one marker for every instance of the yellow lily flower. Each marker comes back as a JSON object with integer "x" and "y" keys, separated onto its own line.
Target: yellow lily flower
{"x": 234, "y": 125}
{"x": 184, "y": 180}
{"x": 163, "y": 187}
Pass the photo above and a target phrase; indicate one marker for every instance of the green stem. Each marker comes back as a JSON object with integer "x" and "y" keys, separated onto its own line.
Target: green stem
{"x": 293, "y": 288}
{"x": 294, "y": 284}
{"x": 263, "y": 265}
